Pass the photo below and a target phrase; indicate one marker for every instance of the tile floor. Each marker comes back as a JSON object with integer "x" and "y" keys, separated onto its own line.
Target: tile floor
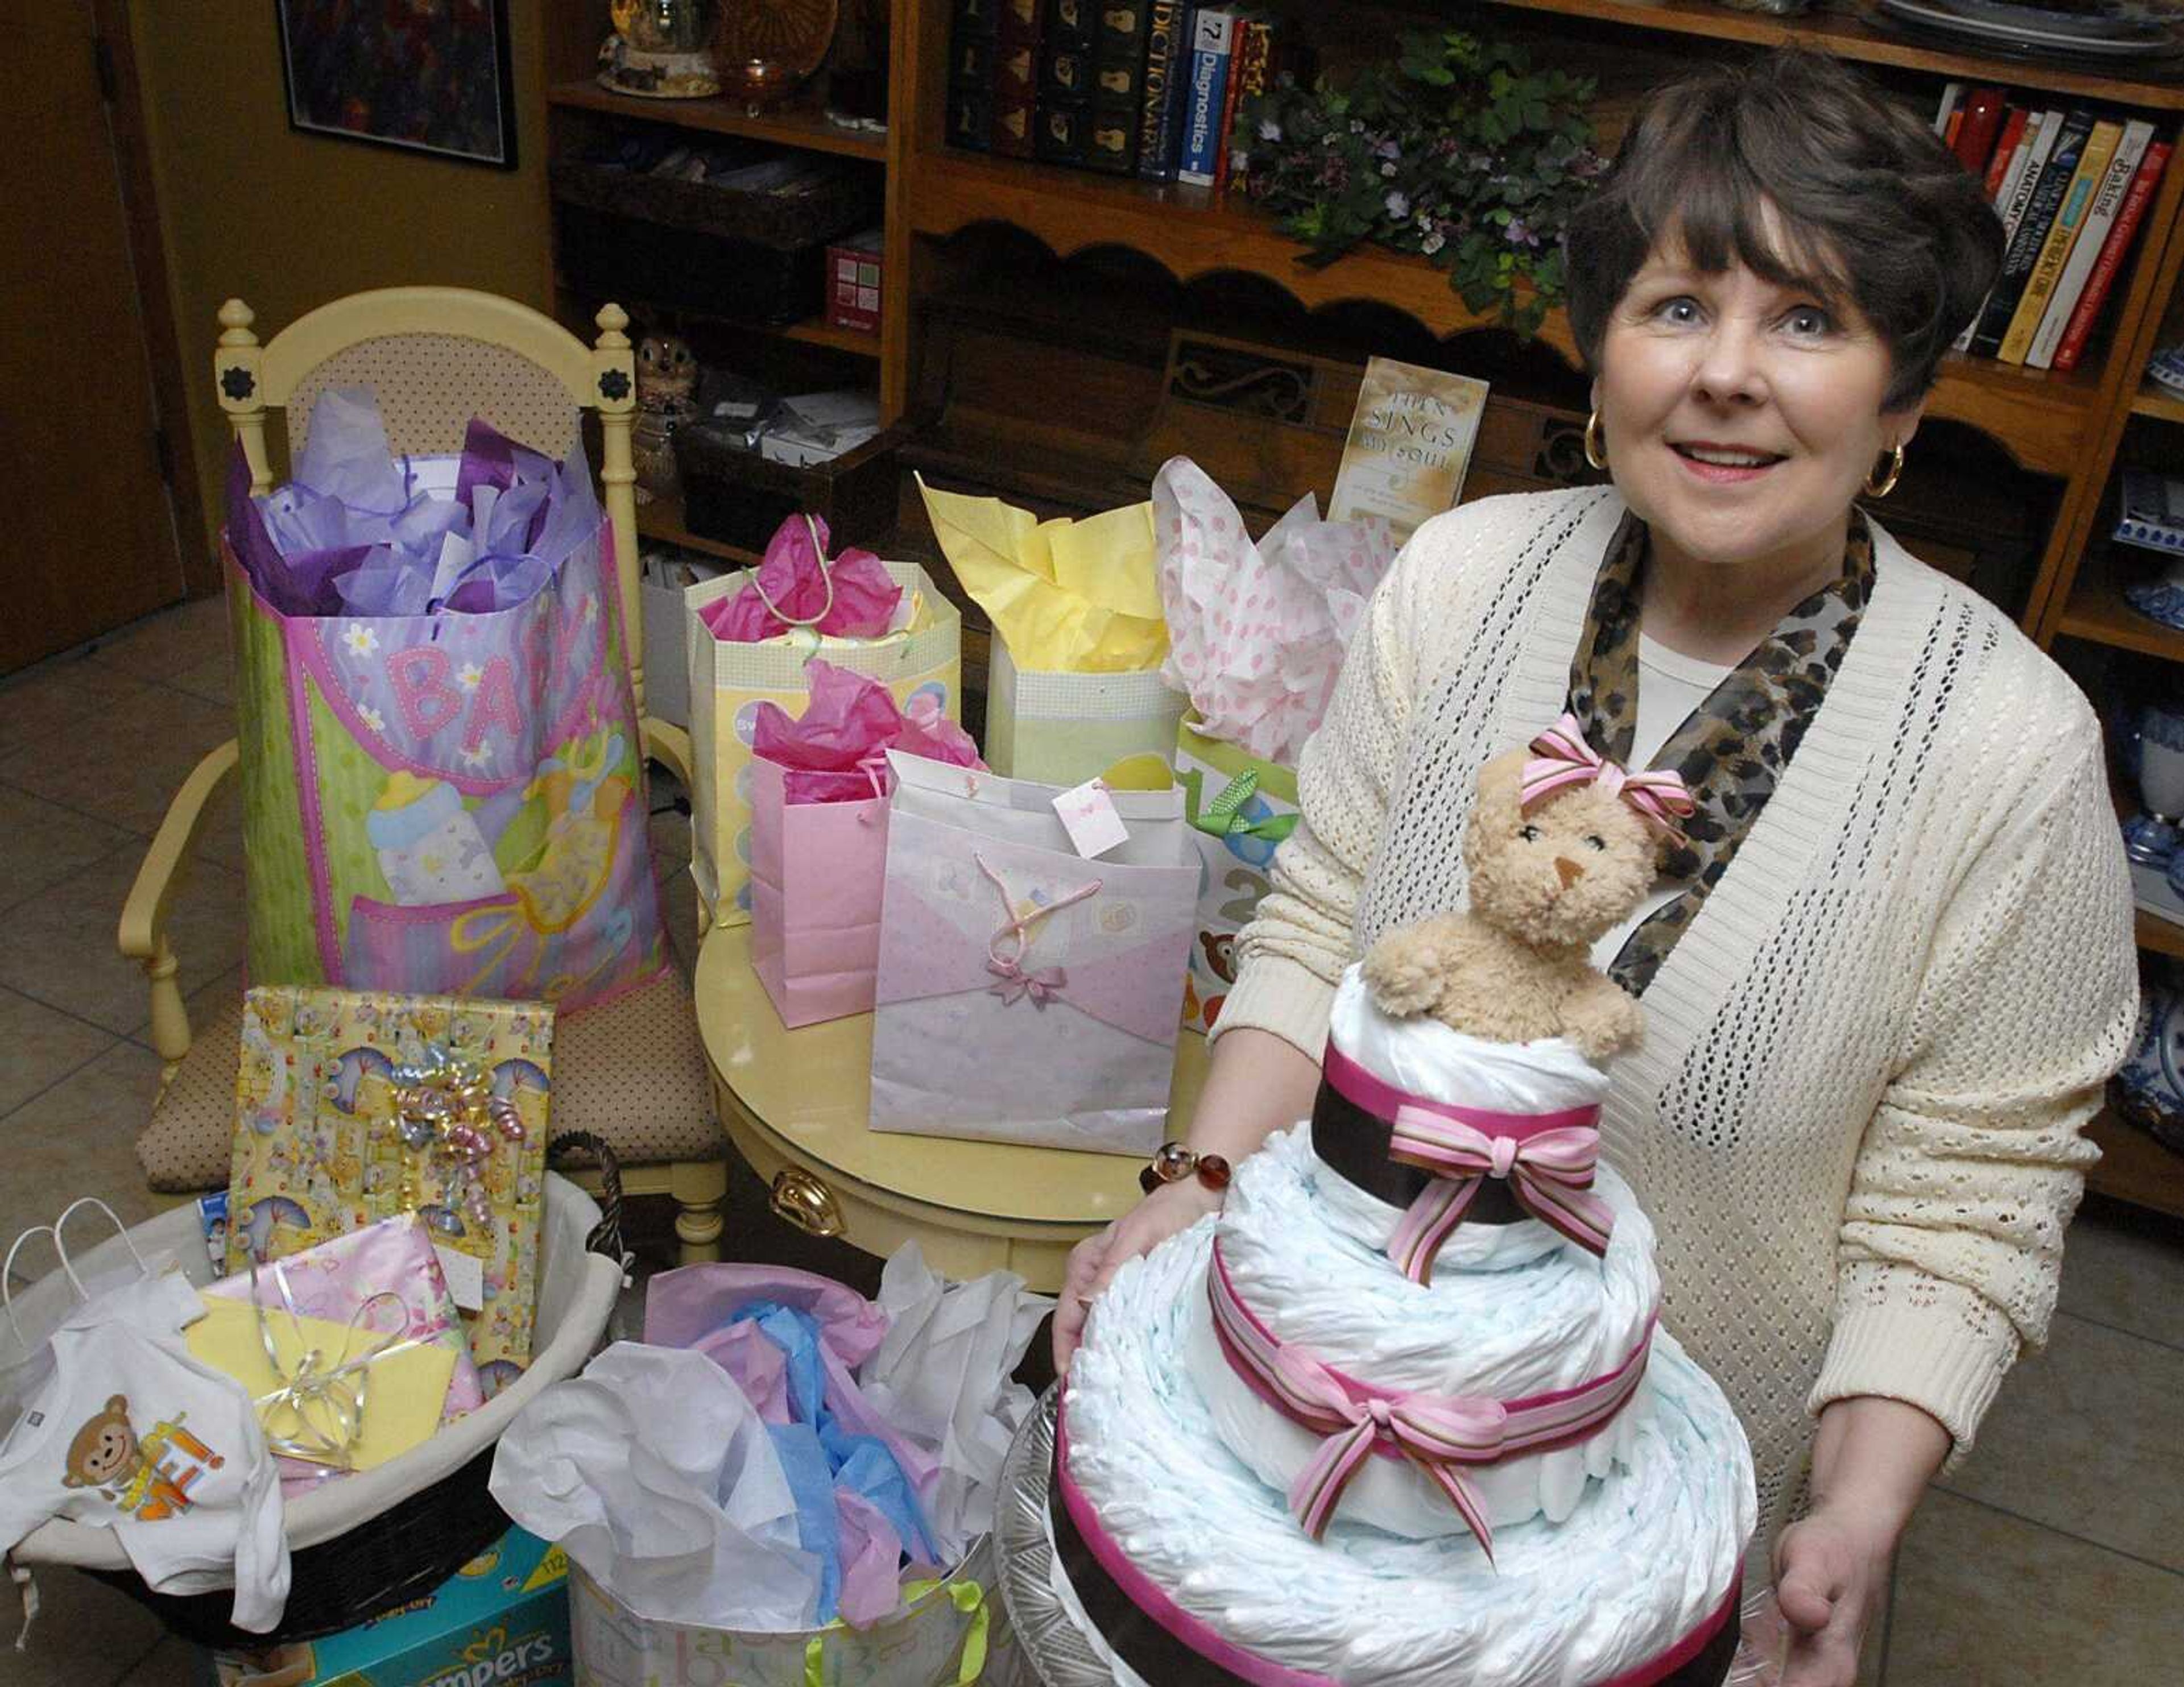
{"x": 2055, "y": 1559}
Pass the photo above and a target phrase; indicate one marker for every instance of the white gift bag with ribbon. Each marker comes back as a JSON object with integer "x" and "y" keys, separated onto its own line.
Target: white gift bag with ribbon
{"x": 1026, "y": 993}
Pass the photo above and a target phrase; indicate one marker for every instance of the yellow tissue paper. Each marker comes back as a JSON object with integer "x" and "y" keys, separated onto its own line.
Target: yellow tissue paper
{"x": 1067, "y": 597}
{"x": 403, "y": 1387}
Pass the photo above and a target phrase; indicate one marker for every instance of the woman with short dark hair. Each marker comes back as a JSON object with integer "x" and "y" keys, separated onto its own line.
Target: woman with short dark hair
{"x": 1889, "y": 971}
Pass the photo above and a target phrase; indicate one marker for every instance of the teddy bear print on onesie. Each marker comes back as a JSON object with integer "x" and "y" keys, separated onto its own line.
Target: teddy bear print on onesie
{"x": 1412, "y": 1374}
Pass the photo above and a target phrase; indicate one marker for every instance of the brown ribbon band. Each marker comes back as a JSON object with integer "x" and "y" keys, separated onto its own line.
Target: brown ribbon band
{"x": 1353, "y": 1143}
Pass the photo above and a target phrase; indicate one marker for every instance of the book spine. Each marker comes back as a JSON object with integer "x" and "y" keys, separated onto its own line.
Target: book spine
{"x": 2079, "y": 328}
{"x": 1975, "y": 140}
{"x": 1213, "y": 41}
{"x": 1016, "y": 80}
{"x": 1168, "y": 39}
{"x": 2005, "y": 152}
{"x": 1250, "y": 74}
{"x": 2062, "y": 235}
{"x": 1118, "y": 88}
{"x": 2025, "y": 246}
{"x": 2092, "y": 238}
{"x": 1953, "y": 94}
{"x": 2021, "y": 177}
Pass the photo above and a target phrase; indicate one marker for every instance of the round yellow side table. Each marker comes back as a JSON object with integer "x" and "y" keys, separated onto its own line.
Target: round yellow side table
{"x": 797, "y": 1105}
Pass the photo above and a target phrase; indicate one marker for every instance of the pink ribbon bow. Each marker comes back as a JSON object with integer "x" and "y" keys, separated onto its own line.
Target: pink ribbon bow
{"x": 1006, "y": 962}
{"x": 1549, "y": 1171}
{"x": 1042, "y": 986}
{"x": 1547, "y": 1160}
{"x": 1562, "y": 758}
{"x": 1438, "y": 1435}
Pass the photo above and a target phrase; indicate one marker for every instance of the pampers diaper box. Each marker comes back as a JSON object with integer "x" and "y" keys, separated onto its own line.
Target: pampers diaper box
{"x": 500, "y": 1621}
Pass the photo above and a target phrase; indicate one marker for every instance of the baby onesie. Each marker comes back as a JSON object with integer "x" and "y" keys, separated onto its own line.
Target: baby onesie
{"x": 132, "y": 1433}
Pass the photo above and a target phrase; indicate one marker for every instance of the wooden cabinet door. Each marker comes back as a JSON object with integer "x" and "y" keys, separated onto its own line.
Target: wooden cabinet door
{"x": 89, "y": 533}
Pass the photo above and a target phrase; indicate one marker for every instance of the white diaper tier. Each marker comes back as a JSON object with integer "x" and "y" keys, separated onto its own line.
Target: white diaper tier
{"x": 1423, "y": 1057}
{"x": 1389, "y": 1493}
{"x": 1644, "y": 1554}
{"x": 1512, "y": 1310}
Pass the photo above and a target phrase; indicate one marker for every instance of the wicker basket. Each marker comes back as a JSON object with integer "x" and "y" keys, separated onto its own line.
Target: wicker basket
{"x": 376, "y": 1539}
{"x": 807, "y": 213}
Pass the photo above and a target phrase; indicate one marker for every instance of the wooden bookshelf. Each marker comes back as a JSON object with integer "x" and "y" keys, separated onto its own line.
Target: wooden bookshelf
{"x": 802, "y": 124}
{"x": 818, "y": 331}
{"x": 2098, "y": 611}
{"x": 2162, "y": 937}
{"x": 1837, "y": 28}
{"x": 812, "y": 331}
{"x": 2134, "y": 1168}
{"x": 2157, "y": 402}
{"x": 2039, "y": 415}
{"x": 662, "y": 520}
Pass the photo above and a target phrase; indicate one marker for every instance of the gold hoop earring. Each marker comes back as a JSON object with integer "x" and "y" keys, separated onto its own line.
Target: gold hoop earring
{"x": 1887, "y": 481}
{"x": 1595, "y": 449}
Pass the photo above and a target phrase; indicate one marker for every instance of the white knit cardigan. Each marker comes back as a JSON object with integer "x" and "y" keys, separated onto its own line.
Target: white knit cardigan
{"x": 1855, "y": 1118}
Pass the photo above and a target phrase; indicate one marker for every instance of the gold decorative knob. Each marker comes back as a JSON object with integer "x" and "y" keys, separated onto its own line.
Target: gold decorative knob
{"x": 803, "y": 1201}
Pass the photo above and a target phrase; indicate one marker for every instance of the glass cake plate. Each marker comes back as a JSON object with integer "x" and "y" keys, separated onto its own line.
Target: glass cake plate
{"x": 1049, "y": 1638}
{"x": 1059, "y": 1654}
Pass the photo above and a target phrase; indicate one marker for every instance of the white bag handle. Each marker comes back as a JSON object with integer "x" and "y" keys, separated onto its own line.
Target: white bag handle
{"x": 8, "y": 1280}
{"x": 68, "y": 1266}
{"x": 60, "y": 1239}
{"x": 825, "y": 574}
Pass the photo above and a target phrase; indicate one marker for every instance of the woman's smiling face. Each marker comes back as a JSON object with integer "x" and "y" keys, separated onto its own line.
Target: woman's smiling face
{"x": 1743, "y": 415}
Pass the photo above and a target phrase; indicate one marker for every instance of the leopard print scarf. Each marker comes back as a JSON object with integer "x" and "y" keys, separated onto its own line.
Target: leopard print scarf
{"x": 1735, "y": 746}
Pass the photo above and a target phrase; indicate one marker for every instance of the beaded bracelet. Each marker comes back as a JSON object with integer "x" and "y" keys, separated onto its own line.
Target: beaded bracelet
{"x": 1174, "y": 1162}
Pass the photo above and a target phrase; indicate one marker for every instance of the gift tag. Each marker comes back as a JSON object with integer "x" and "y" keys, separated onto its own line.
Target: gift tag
{"x": 1088, "y": 815}
{"x": 466, "y": 1275}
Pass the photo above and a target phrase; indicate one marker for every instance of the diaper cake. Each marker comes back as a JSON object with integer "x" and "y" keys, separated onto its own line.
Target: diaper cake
{"x": 1404, "y": 1411}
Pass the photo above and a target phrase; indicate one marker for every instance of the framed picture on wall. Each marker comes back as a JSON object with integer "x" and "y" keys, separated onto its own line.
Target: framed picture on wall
{"x": 428, "y": 75}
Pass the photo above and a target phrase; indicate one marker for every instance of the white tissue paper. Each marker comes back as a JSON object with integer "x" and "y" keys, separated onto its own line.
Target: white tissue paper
{"x": 654, "y": 1471}
{"x": 941, "y": 1377}
{"x": 1256, "y": 632}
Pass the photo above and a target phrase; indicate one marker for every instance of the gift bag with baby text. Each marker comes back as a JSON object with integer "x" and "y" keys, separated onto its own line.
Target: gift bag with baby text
{"x": 450, "y": 802}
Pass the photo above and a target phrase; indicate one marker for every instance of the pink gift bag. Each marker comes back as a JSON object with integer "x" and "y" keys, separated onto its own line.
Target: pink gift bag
{"x": 818, "y": 848}
{"x": 817, "y": 869}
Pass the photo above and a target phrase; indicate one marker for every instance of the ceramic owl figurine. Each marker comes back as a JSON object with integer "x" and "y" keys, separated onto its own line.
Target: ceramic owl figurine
{"x": 666, "y": 378}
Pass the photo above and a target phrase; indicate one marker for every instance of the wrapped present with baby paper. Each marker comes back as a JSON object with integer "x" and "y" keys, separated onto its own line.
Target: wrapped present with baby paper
{"x": 353, "y": 1348}
{"x": 354, "y": 1108}
{"x": 1075, "y": 685}
{"x": 1257, "y": 635}
{"x": 442, "y": 784}
{"x": 748, "y": 638}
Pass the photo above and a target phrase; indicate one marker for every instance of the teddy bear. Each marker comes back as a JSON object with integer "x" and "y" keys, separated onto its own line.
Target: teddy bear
{"x": 104, "y": 1451}
{"x": 1560, "y": 847}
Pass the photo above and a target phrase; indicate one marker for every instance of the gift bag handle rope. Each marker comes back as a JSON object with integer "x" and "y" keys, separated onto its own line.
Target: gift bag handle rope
{"x": 1019, "y": 926}
{"x": 969, "y": 1598}
{"x": 56, "y": 1230}
{"x": 605, "y": 1237}
{"x": 825, "y": 574}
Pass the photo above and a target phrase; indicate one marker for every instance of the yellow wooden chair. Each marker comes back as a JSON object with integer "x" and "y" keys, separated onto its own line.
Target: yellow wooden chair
{"x": 631, "y": 1070}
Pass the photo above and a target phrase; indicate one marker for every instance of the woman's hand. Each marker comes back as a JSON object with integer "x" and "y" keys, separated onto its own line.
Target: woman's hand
{"x": 1871, "y": 1461}
{"x": 1830, "y": 1576}
{"x": 1094, "y": 1261}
